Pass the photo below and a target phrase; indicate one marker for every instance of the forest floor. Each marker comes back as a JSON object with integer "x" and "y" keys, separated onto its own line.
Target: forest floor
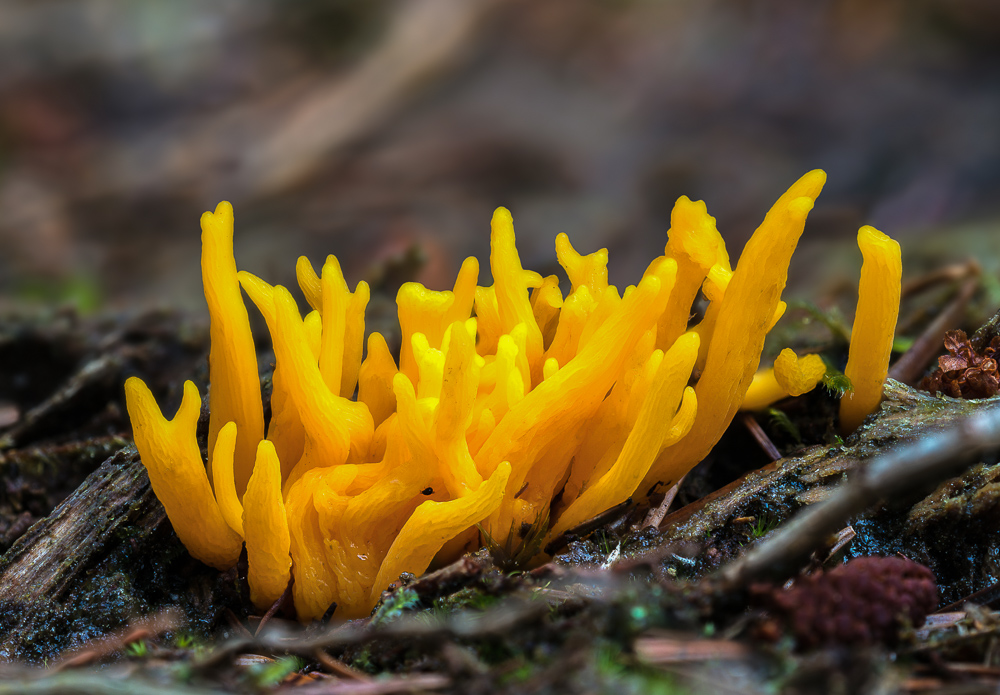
{"x": 707, "y": 591}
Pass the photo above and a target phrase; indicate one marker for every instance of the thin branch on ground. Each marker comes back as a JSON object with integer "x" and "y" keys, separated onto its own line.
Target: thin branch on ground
{"x": 911, "y": 366}
{"x": 760, "y": 436}
{"x": 930, "y": 460}
{"x": 655, "y": 516}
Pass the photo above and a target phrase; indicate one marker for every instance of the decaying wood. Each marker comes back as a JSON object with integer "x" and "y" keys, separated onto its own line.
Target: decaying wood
{"x": 989, "y": 330}
{"x": 103, "y": 557}
{"x": 810, "y": 476}
{"x": 93, "y": 384}
{"x": 950, "y": 530}
{"x": 37, "y": 573}
{"x": 929, "y": 460}
{"x": 37, "y": 564}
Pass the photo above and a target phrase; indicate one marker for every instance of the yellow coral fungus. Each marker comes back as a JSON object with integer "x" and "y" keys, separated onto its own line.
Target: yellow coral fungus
{"x": 791, "y": 376}
{"x": 745, "y": 314}
{"x": 233, "y": 360}
{"x": 511, "y": 404}
{"x": 266, "y": 528}
{"x": 874, "y": 326}
{"x": 170, "y": 453}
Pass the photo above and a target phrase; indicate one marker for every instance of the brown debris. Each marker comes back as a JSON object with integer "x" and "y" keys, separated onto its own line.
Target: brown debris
{"x": 867, "y": 601}
{"x": 658, "y": 650}
{"x": 965, "y": 372}
{"x": 909, "y": 368}
{"x": 139, "y": 630}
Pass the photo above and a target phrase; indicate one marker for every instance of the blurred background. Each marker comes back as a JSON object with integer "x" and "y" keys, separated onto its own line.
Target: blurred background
{"x": 386, "y": 132}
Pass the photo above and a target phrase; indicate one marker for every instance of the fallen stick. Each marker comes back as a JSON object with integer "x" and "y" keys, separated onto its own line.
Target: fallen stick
{"x": 927, "y": 461}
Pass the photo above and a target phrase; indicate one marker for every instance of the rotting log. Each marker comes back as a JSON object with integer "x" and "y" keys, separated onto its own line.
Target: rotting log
{"x": 953, "y": 529}
{"x": 37, "y": 478}
{"x": 104, "y": 556}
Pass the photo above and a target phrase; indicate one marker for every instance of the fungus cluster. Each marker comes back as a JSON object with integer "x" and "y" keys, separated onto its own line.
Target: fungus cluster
{"x": 511, "y": 405}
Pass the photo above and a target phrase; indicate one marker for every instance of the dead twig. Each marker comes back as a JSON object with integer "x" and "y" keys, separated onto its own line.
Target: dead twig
{"x": 989, "y": 597}
{"x": 462, "y": 573}
{"x": 933, "y": 458}
{"x": 949, "y": 273}
{"x": 146, "y": 628}
{"x": 664, "y": 650}
{"x": 274, "y": 608}
{"x": 94, "y": 383}
{"x": 421, "y": 682}
{"x": 655, "y": 516}
{"x": 982, "y": 337}
{"x": 462, "y": 625}
{"x": 96, "y": 683}
{"x": 911, "y": 366}
{"x": 236, "y": 623}
{"x": 760, "y": 436}
{"x": 339, "y": 668}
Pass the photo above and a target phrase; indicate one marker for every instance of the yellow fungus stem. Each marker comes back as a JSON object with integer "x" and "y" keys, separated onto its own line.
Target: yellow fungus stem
{"x": 510, "y": 282}
{"x": 696, "y": 246}
{"x": 266, "y": 526}
{"x": 745, "y": 314}
{"x": 590, "y": 270}
{"x": 232, "y": 360}
{"x": 874, "y": 326}
{"x": 375, "y": 380}
{"x": 222, "y": 478}
{"x": 169, "y": 451}
{"x": 644, "y": 441}
{"x": 433, "y": 524}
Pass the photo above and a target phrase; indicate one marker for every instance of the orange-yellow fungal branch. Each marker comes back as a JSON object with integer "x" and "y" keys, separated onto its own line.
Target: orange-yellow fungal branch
{"x": 697, "y": 247}
{"x": 791, "y": 376}
{"x": 646, "y": 439}
{"x": 510, "y": 282}
{"x": 170, "y": 453}
{"x": 266, "y": 525}
{"x": 511, "y": 404}
{"x": 222, "y": 478}
{"x": 232, "y": 361}
{"x": 590, "y": 271}
{"x": 798, "y": 375}
{"x": 744, "y": 317}
{"x": 434, "y": 523}
{"x": 874, "y": 326}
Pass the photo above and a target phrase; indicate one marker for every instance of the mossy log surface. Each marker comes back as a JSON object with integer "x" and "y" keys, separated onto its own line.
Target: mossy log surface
{"x": 104, "y": 556}
{"x": 953, "y": 529}
{"x": 88, "y": 547}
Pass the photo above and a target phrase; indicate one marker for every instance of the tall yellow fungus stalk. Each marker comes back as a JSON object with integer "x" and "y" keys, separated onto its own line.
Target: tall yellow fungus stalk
{"x": 874, "y": 326}
{"x": 512, "y": 405}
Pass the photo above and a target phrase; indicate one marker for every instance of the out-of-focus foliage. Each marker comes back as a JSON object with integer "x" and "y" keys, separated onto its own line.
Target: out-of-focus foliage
{"x": 408, "y": 122}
